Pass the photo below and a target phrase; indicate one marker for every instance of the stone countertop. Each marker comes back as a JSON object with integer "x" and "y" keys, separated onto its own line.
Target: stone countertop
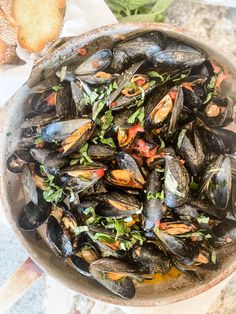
{"x": 47, "y": 296}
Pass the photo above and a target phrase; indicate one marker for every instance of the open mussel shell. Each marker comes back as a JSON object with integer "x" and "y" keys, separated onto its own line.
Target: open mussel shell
{"x": 176, "y": 182}
{"x": 57, "y": 238}
{"x": 44, "y": 102}
{"x": 97, "y": 62}
{"x": 78, "y": 89}
{"x": 85, "y": 255}
{"x": 59, "y": 131}
{"x": 99, "y": 78}
{"x": 218, "y": 112}
{"x": 18, "y": 159}
{"x": 186, "y": 211}
{"x": 81, "y": 177}
{"x": 127, "y": 162}
{"x": 124, "y": 101}
{"x": 112, "y": 274}
{"x": 164, "y": 108}
{"x": 33, "y": 216}
{"x": 117, "y": 205}
{"x": 48, "y": 158}
{"x": 122, "y": 81}
{"x": 177, "y": 227}
{"x": 174, "y": 245}
{"x": 225, "y": 233}
{"x": 216, "y": 182}
{"x": 153, "y": 259}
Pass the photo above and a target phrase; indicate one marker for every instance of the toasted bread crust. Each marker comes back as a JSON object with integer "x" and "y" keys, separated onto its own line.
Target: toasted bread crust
{"x": 8, "y": 32}
{"x": 39, "y": 22}
{"x": 7, "y": 52}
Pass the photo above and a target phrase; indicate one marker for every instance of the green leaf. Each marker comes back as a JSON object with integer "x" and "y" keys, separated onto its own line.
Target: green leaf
{"x": 53, "y": 195}
{"x": 193, "y": 185}
{"x": 103, "y": 237}
{"x": 38, "y": 140}
{"x": 161, "y": 6}
{"x": 136, "y": 4}
{"x": 74, "y": 162}
{"x": 154, "y": 74}
{"x": 139, "y": 18}
{"x": 136, "y": 236}
{"x": 114, "y": 85}
{"x": 157, "y": 195}
{"x": 63, "y": 73}
{"x": 137, "y": 115}
{"x": 163, "y": 145}
{"x": 93, "y": 97}
{"x": 80, "y": 229}
{"x": 106, "y": 120}
{"x": 97, "y": 108}
{"x": 56, "y": 88}
{"x": 108, "y": 141}
{"x": 120, "y": 228}
{"x": 213, "y": 256}
{"x": 159, "y": 169}
{"x": 85, "y": 159}
{"x": 203, "y": 219}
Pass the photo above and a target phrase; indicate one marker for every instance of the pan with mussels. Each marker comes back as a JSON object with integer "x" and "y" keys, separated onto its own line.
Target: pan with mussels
{"x": 126, "y": 158}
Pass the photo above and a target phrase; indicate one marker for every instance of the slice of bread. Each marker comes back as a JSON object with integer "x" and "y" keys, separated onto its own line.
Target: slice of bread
{"x": 7, "y": 52}
{"x": 39, "y": 22}
{"x": 8, "y": 32}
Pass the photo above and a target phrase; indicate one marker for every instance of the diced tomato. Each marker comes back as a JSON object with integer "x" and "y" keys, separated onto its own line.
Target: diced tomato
{"x": 114, "y": 104}
{"x": 100, "y": 172}
{"x": 223, "y": 76}
{"x": 140, "y": 82}
{"x": 216, "y": 68}
{"x": 163, "y": 225}
{"x": 52, "y": 99}
{"x": 173, "y": 94}
{"x": 143, "y": 149}
{"x": 188, "y": 86}
{"x": 82, "y": 51}
{"x": 135, "y": 129}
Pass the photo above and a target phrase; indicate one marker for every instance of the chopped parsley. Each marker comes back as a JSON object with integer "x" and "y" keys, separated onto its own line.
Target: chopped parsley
{"x": 157, "y": 195}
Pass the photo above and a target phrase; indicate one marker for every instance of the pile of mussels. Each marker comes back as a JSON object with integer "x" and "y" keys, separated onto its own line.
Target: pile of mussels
{"x": 127, "y": 160}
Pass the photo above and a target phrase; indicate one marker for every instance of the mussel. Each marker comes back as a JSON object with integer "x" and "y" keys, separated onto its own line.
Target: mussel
{"x": 153, "y": 205}
{"x": 176, "y": 182}
{"x": 113, "y": 274}
{"x": 216, "y": 182}
{"x": 118, "y": 205}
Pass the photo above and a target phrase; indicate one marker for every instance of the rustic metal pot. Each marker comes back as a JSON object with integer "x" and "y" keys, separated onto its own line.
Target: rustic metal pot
{"x": 11, "y": 192}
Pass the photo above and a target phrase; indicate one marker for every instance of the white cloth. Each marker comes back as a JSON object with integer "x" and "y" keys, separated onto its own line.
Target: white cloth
{"x": 81, "y": 16}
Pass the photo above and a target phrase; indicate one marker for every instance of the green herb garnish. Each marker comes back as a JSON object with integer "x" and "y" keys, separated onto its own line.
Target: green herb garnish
{"x": 85, "y": 159}
{"x": 157, "y": 195}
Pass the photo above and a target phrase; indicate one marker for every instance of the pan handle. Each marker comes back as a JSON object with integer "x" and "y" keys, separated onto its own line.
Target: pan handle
{"x": 18, "y": 284}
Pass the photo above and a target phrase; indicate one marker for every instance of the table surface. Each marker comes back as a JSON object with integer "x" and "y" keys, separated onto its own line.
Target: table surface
{"x": 48, "y": 296}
